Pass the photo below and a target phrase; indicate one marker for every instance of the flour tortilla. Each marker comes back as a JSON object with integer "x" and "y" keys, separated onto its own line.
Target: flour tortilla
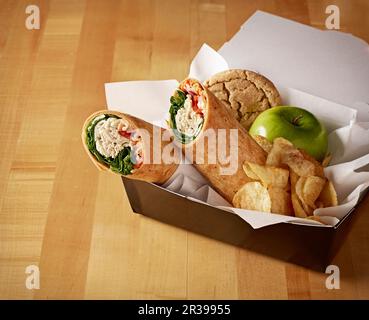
{"x": 217, "y": 117}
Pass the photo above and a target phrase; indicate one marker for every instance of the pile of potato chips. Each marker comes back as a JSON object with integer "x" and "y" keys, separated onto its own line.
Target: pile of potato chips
{"x": 290, "y": 183}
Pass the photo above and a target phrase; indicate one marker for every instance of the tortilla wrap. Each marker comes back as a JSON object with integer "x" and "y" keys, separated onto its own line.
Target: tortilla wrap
{"x": 216, "y": 116}
{"x": 148, "y": 171}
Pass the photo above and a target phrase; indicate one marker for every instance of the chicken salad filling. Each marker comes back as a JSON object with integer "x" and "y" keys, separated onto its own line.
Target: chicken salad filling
{"x": 113, "y": 143}
{"x": 187, "y": 111}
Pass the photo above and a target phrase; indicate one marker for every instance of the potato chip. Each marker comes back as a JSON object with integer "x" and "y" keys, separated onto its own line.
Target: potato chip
{"x": 293, "y": 178}
{"x": 264, "y": 143}
{"x": 280, "y": 145}
{"x": 308, "y": 190}
{"x": 296, "y": 204}
{"x": 313, "y": 186}
{"x": 300, "y": 194}
{"x": 252, "y": 196}
{"x": 283, "y": 143}
{"x": 251, "y": 174}
{"x": 299, "y": 211}
{"x": 297, "y": 184}
{"x": 274, "y": 158}
{"x": 319, "y": 169}
{"x": 319, "y": 204}
{"x": 300, "y": 188}
{"x": 284, "y": 152}
{"x": 309, "y": 210}
{"x": 269, "y": 175}
{"x": 281, "y": 201}
{"x": 328, "y": 196}
{"x": 327, "y": 159}
{"x": 297, "y": 163}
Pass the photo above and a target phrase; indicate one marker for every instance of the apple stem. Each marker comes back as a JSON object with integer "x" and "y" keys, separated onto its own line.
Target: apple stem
{"x": 296, "y": 120}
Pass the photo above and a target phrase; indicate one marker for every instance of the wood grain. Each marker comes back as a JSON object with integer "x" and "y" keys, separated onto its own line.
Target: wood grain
{"x": 56, "y": 212}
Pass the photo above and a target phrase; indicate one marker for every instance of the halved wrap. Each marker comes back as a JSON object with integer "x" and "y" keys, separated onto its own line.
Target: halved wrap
{"x": 195, "y": 115}
{"x": 123, "y": 144}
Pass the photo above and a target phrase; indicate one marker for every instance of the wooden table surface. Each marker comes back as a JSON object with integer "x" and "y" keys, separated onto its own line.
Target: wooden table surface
{"x": 59, "y": 213}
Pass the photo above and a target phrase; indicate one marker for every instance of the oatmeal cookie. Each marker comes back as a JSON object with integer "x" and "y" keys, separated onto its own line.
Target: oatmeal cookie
{"x": 245, "y": 93}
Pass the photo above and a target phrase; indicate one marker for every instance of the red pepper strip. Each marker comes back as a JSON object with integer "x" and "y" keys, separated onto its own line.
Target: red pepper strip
{"x": 125, "y": 134}
{"x": 195, "y": 106}
{"x": 137, "y": 165}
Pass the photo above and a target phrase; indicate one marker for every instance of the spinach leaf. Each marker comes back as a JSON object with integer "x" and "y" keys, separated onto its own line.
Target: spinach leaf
{"x": 122, "y": 162}
{"x": 176, "y": 102}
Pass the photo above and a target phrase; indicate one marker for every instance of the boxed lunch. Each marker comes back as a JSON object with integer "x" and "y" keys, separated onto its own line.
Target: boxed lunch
{"x": 263, "y": 146}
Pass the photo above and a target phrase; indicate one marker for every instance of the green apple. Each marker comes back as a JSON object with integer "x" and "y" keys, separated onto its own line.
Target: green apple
{"x": 297, "y": 125}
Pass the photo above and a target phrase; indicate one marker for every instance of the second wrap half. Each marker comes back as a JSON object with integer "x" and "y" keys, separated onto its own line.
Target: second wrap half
{"x": 196, "y": 114}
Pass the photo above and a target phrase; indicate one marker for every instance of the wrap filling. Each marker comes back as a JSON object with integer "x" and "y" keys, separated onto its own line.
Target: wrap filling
{"x": 187, "y": 111}
{"x": 113, "y": 143}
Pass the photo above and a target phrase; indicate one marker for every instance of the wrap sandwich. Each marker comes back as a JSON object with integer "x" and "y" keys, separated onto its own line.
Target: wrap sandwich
{"x": 123, "y": 144}
{"x": 194, "y": 113}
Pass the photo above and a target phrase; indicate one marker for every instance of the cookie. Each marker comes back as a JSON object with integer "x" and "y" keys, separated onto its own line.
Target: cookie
{"x": 245, "y": 93}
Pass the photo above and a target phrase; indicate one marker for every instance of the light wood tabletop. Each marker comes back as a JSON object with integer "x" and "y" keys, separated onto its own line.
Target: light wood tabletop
{"x": 75, "y": 223}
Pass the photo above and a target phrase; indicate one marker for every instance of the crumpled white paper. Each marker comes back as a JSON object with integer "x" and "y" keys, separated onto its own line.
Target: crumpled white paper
{"x": 348, "y": 140}
{"x": 329, "y": 64}
{"x": 187, "y": 181}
